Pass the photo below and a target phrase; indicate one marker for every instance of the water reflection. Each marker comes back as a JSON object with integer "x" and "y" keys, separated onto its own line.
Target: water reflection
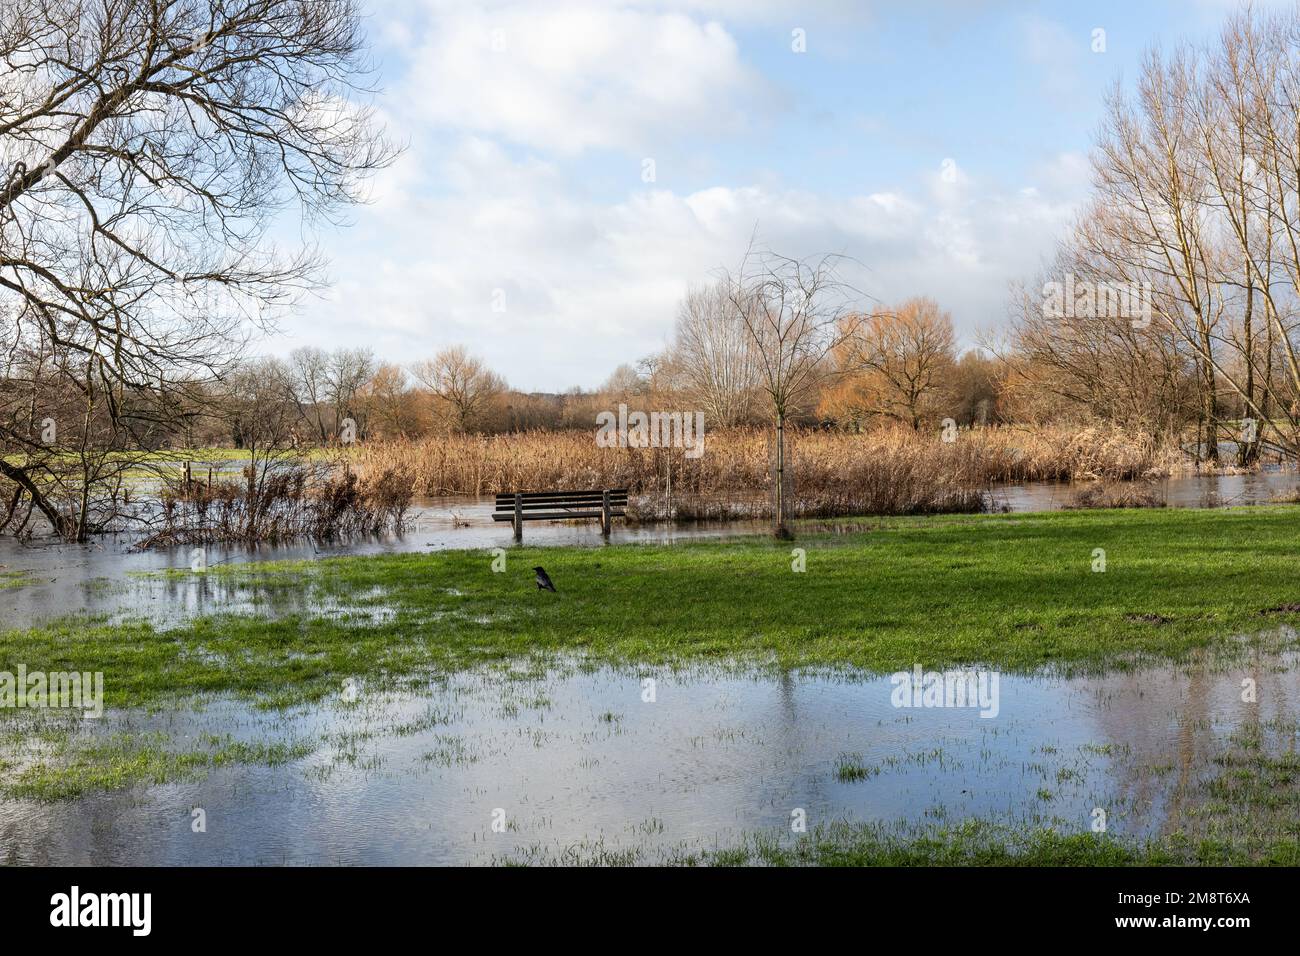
{"x": 579, "y": 759}
{"x": 98, "y": 577}
{"x": 1184, "y": 491}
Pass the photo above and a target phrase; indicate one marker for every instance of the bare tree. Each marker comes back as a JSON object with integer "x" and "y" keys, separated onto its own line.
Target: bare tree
{"x": 1248, "y": 142}
{"x": 894, "y": 360}
{"x": 463, "y": 387}
{"x": 70, "y": 458}
{"x": 795, "y": 312}
{"x": 715, "y": 355}
{"x": 257, "y": 404}
{"x": 1091, "y": 366}
{"x": 1198, "y": 178}
{"x": 347, "y": 372}
{"x": 624, "y": 383}
{"x": 389, "y": 403}
{"x": 309, "y": 371}
{"x": 973, "y": 389}
{"x": 147, "y": 146}
{"x": 1148, "y": 221}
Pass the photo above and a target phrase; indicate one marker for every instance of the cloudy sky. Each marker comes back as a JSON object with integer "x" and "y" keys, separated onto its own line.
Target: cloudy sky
{"x": 571, "y": 166}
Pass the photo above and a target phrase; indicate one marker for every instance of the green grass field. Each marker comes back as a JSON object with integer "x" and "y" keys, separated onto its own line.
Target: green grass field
{"x": 1013, "y": 592}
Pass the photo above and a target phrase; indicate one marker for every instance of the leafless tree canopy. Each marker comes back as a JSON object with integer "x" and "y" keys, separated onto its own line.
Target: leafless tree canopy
{"x": 146, "y": 146}
{"x": 1198, "y": 180}
{"x": 717, "y": 362}
{"x": 894, "y": 363}
{"x": 795, "y": 312}
{"x": 463, "y": 387}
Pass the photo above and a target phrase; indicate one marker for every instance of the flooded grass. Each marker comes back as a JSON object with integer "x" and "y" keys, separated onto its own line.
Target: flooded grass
{"x": 1012, "y": 592}
{"x": 68, "y": 767}
{"x": 971, "y": 843}
{"x": 979, "y": 843}
{"x": 850, "y": 768}
{"x": 14, "y": 579}
{"x": 583, "y": 768}
{"x": 346, "y": 696}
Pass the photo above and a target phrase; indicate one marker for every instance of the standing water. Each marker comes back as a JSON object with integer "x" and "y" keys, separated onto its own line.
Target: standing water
{"x": 581, "y": 765}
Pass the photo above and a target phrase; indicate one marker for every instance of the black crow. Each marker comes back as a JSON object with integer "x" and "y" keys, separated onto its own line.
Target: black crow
{"x": 543, "y": 582}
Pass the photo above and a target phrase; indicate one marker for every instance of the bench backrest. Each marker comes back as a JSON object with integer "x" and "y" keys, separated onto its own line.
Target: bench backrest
{"x": 545, "y": 500}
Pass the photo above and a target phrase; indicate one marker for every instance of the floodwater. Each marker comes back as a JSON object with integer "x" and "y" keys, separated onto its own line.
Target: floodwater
{"x": 107, "y": 576}
{"x": 579, "y": 766}
{"x": 1183, "y": 491}
{"x": 102, "y": 577}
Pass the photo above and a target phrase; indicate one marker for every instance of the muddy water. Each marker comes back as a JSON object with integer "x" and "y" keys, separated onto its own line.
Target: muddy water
{"x": 576, "y": 762}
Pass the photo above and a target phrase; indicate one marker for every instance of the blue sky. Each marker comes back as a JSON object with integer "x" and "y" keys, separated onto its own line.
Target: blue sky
{"x": 941, "y": 144}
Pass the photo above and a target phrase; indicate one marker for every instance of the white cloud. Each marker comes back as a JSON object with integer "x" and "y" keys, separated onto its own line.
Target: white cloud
{"x": 493, "y": 199}
{"x": 568, "y": 78}
{"x": 1068, "y": 174}
{"x": 591, "y": 284}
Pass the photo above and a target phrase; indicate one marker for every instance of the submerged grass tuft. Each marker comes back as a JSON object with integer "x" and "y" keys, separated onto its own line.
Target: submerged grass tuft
{"x": 72, "y": 768}
{"x": 14, "y": 579}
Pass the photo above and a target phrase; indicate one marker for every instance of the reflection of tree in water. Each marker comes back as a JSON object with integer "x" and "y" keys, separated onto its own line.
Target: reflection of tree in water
{"x": 795, "y": 731}
{"x": 792, "y": 732}
{"x": 1135, "y": 713}
{"x": 1183, "y": 719}
{"x": 786, "y": 696}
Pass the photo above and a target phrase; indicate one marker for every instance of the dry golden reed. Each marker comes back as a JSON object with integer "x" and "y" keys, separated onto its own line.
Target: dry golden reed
{"x": 886, "y": 471}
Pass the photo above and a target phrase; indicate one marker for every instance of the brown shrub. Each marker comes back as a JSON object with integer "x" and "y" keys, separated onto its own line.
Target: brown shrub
{"x": 281, "y": 501}
{"x": 1106, "y": 495}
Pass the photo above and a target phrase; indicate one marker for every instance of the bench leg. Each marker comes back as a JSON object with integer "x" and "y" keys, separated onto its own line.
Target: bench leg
{"x": 605, "y": 520}
{"x": 519, "y": 518}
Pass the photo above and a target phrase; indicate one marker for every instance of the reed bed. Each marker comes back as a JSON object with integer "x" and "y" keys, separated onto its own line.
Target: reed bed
{"x": 278, "y": 501}
{"x": 888, "y": 471}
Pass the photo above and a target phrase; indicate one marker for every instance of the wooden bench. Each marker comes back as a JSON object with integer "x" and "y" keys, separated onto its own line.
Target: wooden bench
{"x": 520, "y": 506}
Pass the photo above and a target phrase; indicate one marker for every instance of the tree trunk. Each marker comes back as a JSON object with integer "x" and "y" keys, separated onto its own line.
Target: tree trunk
{"x": 1248, "y": 451}
{"x": 62, "y": 524}
{"x": 1209, "y": 406}
{"x": 779, "y": 528}
{"x": 13, "y": 507}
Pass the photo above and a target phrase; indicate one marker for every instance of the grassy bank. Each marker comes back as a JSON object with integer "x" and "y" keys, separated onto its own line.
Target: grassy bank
{"x": 979, "y": 843}
{"x": 1015, "y": 592}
